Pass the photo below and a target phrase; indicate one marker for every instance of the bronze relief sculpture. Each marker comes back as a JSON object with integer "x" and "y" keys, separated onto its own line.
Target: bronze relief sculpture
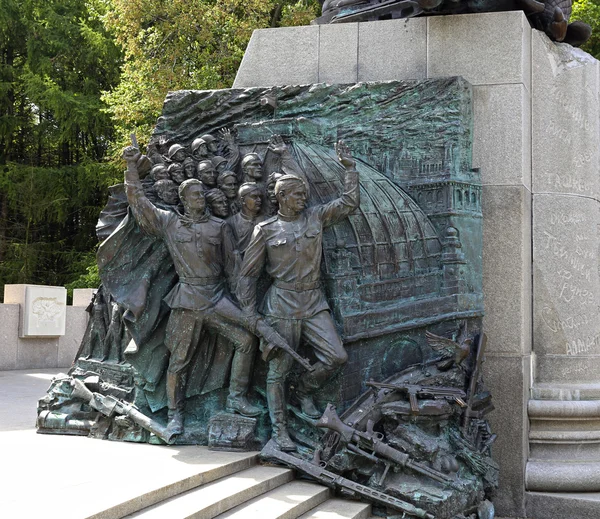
{"x": 303, "y": 279}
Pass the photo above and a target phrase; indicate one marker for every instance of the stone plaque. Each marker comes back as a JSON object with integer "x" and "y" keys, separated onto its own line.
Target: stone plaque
{"x": 44, "y": 312}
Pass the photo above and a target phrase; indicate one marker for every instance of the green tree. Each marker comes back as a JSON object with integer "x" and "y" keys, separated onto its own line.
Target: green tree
{"x": 184, "y": 44}
{"x": 56, "y": 58}
{"x": 588, "y": 11}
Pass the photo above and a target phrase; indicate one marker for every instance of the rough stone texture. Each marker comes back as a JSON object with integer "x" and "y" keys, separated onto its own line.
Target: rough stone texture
{"x": 9, "y": 317}
{"x": 564, "y": 369}
{"x": 37, "y": 353}
{"x": 502, "y": 135}
{"x": 286, "y": 56}
{"x": 69, "y": 343}
{"x": 562, "y": 505}
{"x": 562, "y": 476}
{"x": 507, "y": 268}
{"x": 509, "y": 376}
{"x": 566, "y": 119}
{"x": 566, "y": 277}
{"x": 338, "y": 53}
{"x": 393, "y": 49}
{"x": 14, "y": 294}
{"x": 486, "y": 49}
{"x": 29, "y": 353}
{"x": 83, "y": 296}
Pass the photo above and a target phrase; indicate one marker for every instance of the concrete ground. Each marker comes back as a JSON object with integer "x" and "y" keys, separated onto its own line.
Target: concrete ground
{"x": 70, "y": 477}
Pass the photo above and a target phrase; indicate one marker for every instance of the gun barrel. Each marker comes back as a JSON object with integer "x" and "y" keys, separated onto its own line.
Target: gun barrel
{"x": 147, "y": 423}
{"x": 331, "y": 479}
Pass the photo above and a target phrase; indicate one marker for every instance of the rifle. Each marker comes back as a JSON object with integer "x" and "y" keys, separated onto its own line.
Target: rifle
{"x": 357, "y": 441}
{"x": 274, "y": 340}
{"x": 415, "y": 390}
{"x": 109, "y": 406}
{"x": 345, "y": 485}
{"x": 469, "y": 413}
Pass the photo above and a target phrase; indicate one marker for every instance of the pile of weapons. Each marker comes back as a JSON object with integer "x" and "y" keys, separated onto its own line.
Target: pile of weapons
{"x": 422, "y": 450}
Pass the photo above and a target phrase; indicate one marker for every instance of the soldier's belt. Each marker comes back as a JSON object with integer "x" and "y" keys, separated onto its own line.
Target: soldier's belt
{"x": 297, "y": 286}
{"x": 200, "y": 281}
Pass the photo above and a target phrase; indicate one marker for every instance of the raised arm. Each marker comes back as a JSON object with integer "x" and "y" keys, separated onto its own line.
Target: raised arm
{"x": 341, "y": 207}
{"x": 149, "y": 217}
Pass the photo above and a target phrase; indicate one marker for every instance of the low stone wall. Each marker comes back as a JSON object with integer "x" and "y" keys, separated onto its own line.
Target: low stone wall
{"x": 18, "y": 352}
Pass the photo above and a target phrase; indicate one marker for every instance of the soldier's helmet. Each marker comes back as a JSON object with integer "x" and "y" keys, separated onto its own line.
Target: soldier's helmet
{"x": 196, "y": 143}
{"x": 174, "y": 149}
{"x": 250, "y": 157}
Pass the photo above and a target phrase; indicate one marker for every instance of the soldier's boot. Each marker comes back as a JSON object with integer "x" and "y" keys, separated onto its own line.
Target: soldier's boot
{"x": 175, "y": 426}
{"x": 307, "y": 405}
{"x": 176, "y": 402}
{"x": 276, "y": 401}
{"x": 237, "y": 401}
{"x": 310, "y": 383}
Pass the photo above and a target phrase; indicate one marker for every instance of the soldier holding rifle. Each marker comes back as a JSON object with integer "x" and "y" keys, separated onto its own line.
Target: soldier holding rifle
{"x": 289, "y": 246}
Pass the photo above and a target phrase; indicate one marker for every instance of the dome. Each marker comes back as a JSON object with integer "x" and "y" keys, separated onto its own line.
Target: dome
{"x": 387, "y": 238}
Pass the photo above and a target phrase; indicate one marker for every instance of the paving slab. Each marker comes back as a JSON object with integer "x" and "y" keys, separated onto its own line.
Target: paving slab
{"x": 71, "y": 477}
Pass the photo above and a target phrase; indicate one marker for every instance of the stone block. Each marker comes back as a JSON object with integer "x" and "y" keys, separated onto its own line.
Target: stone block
{"x": 563, "y": 505}
{"x": 83, "y": 296}
{"x": 9, "y": 333}
{"x": 14, "y": 294}
{"x": 508, "y": 378}
{"x": 231, "y": 432}
{"x": 68, "y": 344}
{"x": 338, "y": 53}
{"x": 44, "y": 312}
{"x": 392, "y": 49}
{"x": 485, "y": 49}
{"x": 566, "y": 280}
{"x": 284, "y": 56}
{"x": 507, "y": 268}
{"x": 567, "y": 369}
{"x": 566, "y": 119}
{"x": 502, "y": 134}
{"x": 37, "y": 353}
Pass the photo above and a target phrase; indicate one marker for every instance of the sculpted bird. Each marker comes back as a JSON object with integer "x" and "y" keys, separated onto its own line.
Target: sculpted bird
{"x": 453, "y": 351}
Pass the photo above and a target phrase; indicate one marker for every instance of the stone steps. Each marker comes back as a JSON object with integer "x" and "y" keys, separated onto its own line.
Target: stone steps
{"x": 243, "y": 491}
{"x": 289, "y": 501}
{"x": 208, "y": 501}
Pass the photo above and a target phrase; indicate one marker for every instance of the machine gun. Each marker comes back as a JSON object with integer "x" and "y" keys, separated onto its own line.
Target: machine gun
{"x": 414, "y": 390}
{"x": 358, "y": 441}
{"x": 344, "y": 485}
{"x": 110, "y": 406}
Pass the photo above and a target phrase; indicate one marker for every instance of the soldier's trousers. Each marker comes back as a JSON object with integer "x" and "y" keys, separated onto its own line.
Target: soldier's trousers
{"x": 317, "y": 331}
{"x": 184, "y": 330}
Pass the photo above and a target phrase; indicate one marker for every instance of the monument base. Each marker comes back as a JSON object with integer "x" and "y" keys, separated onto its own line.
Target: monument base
{"x": 536, "y": 140}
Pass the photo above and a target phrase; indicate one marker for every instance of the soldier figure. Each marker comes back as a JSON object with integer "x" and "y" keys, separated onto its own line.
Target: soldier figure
{"x": 201, "y": 247}
{"x": 289, "y": 245}
{"x": 243, "y": 223}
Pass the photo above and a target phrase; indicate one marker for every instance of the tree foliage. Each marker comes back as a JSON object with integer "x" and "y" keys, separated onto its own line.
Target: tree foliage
{"x": 184, "y": 44}
{"x": 56, "y": 59}
{"x": 588, "y": 11}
